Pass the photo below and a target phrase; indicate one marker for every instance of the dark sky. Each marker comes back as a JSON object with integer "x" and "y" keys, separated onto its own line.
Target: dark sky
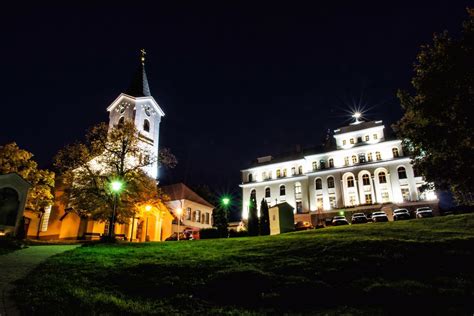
{"x": 235, "y": 81}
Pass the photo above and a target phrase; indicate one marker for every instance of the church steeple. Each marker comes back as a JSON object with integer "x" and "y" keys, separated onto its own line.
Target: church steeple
{"x": 139, "y": 86}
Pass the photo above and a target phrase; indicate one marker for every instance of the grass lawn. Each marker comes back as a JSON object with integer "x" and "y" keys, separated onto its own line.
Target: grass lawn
{"x": 417, "y": 266}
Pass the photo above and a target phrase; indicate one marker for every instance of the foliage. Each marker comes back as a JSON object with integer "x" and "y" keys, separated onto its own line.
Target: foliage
{"x": 108, "y": 155}
{"x": 209, "y": 233}
{"x": 252, "y": 225}
{"x": 220, "y": 218}
{"x": 353, "y": 270}
{"x": 14, "y": 159}
{"x": 233, "y": 233}
{"x": 438, "y": 125}
{"x": 264, "y": 219}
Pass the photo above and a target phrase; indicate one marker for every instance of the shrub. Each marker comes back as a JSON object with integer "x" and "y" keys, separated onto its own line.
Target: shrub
{"x": 242, "y": 233}
{"x": 208, "y": 233}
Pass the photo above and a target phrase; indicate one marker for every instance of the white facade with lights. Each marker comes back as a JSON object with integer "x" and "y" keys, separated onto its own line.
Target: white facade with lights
{"x": 364, "y": 169}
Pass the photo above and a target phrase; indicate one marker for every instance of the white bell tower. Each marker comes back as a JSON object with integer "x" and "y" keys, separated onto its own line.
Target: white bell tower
{"x": 137, "y": 105}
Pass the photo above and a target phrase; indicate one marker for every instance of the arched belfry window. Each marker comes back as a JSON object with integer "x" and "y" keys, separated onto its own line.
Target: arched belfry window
{"x": 121, "y": 121}
{"x": 146, "y": 125}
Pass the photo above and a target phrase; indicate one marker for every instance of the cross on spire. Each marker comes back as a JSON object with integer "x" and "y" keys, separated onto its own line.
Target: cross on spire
{"x": 143, "y": 53}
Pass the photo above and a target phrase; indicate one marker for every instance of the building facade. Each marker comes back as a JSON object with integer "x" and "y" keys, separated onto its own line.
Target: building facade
{"x": 364, "y": 169}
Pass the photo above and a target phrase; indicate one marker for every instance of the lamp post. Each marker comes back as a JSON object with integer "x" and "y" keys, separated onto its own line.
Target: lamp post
{"x": 115, "y": 187}
{"x": 147, "y": 209}
{"x": 179, "y": 211}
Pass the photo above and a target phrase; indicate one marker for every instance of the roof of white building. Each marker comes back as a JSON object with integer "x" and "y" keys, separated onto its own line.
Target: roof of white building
{"x": 180, "y": 191}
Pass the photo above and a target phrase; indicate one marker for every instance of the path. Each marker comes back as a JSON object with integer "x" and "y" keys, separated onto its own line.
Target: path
{"x": 17, "y": 265}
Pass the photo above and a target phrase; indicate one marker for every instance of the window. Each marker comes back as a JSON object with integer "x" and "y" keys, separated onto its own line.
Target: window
{"x": 368, "y": 199}
{"x": 322, "y": 164}
{"x": 203, "y": 218}
{"x": 198, "y": 216}
{"x": 354, "y": 159}
{"x": 344, "y": 142}
{"x": 121, "y": 121}
{"x": 208, "y": 217}
{"x": 188, "y": 214}
{"x": 350, "y": 182}
{"x": 402, "y": 173}
{"x": 278, "y": 173}
{"x": 359, "y": 139}
{"x": 299, "y": 207}
{"x": 319, "y": 184}
{"x": 406, "y": 194}
{"x": 375, "y": 136}
{"x": 382, "y": 177}
{"x": 300, "y": 169}
{"x": 319, "y": 203}
{"x": 352, "y": 141}
{"x": 395, "y": 152}
{"x": 282, "y": 190}
{"x": 297, "y": 188}
{"x": 293, "y": 171}
{"x": 366, "y": 138}
{"x": 284, "y": 172}
{"x": 267, "y": 192}
{"x": 250, "y": 177}
{"x": 352, "y": 199}
{"x": 332, "y": 201}
{"x": 330, "y": 183}
{"x": 385, "y": 197}
{"x": 253, "y": 195}
{"x": 369, "y": 157}
{"x": 331, "y": 163}
{"x": 346, "y": 161}
{"x": 315, "y": 166}
{"x": 366, "y": 179}
{"x": 194, "y": 216}
{"x": 378, "y": 156}
{"x": 264, "y": 175}
{"x": 146, "y": 125}
{"x": 361, "y": 158}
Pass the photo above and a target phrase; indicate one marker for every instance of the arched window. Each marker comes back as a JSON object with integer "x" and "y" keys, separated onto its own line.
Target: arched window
{"x": 300, "y": 169}
{"x": 297, "y": 188}
{"x": 366, "y": 179}
{"x": 366, "y": 138}
{"x": 331, "y": 163}
{"x": 322, "y": 164}
{"x": 330, "y": 182}
{"x": 346, "y": 161}
{"x": 146, "y": 125}
{"x": 293, "y": 171}
{"x": 369, "y": 157}
{"x": 382, "y": 177}
{"x": 284, "y": 172}
{"x": 282, "y": 190}
{"x": 378, "y": 156}
{"x": 264, "y": 175}
{"x": 267, "y": 192}
{"x": 319, "y": 184}
{"x": 315, "y": 166}
{"x": 121, "y": 121}
{"x": 402, "y": 173}
{"x": 253, "y": 195}
{"x": 250, "y": 177}
{"x": 352, "y": 140}
{"x": 354, "y": 159}
{"x": 344, "y": 142}
{"x": 350, "y": 182}
{"x": 278, "y": 173}
{"x": 395, "y": 152}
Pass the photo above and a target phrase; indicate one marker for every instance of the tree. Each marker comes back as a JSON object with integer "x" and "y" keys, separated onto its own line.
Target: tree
{"x": 14, "y": 159}
{"x": 253, "y": 217}
{"x": 87, "y": 170}
{"x": 264, "y": 218}
{"x": 220, "y": 218}
{"x": 437, "y": 126}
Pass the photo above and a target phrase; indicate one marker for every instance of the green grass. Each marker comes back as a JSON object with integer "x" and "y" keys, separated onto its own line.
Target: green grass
{"x": 423, "y": 266}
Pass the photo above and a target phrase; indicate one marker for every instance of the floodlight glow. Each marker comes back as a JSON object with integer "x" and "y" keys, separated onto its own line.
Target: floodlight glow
{"x": 357, "y": 115}
{"x": 179, "y": 210}
{"x": 225, "y": 201}
{"x": 148, "y": 208}
{"x": 116, "y": 186}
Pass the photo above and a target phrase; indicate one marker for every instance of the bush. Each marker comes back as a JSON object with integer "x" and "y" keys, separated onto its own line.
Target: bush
{"x": 208, "y": 233}
{"x": 242, "y": 233}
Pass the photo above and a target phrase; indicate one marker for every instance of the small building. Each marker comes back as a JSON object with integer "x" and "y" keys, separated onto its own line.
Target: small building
{"x": 13, "y": 196}
{"x": 196, "y": 212}
{"x": 282, "y": 218}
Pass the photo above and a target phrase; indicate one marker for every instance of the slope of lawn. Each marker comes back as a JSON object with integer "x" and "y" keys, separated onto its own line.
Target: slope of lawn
{"x": 424, "y": 266}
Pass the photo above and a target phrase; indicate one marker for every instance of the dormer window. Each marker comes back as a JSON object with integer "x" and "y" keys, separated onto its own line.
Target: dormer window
{"x": 378, "y": 156}
{"x": 315, "y": 166}
{"x": 375, "y": 136}
{"x": 331, "y": 163}
{"x": 293, "y": 171}
{"x": 354, "y": 159}
{"x": 352, "y": 141}
{"x": 278, "y": 174}
{"x": 369, "y": 157}
{"x": 344, "y": 142}
{"x": 359, "y": 139}
{"x": 146, "y": 126}
{"x": 346, "y": 161}
{"x": 366, "y": 138}
{"x": 395, "y": 152}
{"x": 284, "y": 172}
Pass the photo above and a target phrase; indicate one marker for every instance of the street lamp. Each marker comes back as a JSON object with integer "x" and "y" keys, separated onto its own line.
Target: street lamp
{"x": 115, "y": 187}
{"x": 225, "y": 201}
{"x": 179, "y": 211}
{"x": 147, "y": 209}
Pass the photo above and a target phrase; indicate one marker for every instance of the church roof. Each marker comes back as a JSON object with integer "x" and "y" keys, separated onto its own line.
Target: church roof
{"x": 139, "y": 86}
{"x": 180, "y": 191}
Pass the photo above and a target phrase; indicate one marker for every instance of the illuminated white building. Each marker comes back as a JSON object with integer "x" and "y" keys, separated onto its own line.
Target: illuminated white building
{"x": 364, "y": 169}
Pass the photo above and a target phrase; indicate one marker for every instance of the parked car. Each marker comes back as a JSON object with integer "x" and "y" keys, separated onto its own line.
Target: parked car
{"x": 379, "y": 217}
{"x": 401, "y": 214}
{"x": 174, "y": 237}
{"x": 303, "y": 225}
{"x": 423, "y": 212}
{"x": 339, "y": 220}
{"x": 358, "y": 218}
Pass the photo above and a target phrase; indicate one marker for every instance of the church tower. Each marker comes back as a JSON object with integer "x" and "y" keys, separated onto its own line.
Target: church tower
{"x": 137, "y": 105}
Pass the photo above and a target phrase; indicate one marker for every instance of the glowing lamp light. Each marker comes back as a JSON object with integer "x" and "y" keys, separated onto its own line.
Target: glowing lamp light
{"x": 341, "y": 213}
{"x": 148, "y": 208}
{"x": 116, "y": 186}
{"x": 357, "y": 115}
{"x": 179, "y": 210}
{"x": 226, "y": 201}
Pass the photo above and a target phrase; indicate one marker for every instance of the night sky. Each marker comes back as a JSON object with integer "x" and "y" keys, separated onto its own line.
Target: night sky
{"x": 236, "y": 82}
